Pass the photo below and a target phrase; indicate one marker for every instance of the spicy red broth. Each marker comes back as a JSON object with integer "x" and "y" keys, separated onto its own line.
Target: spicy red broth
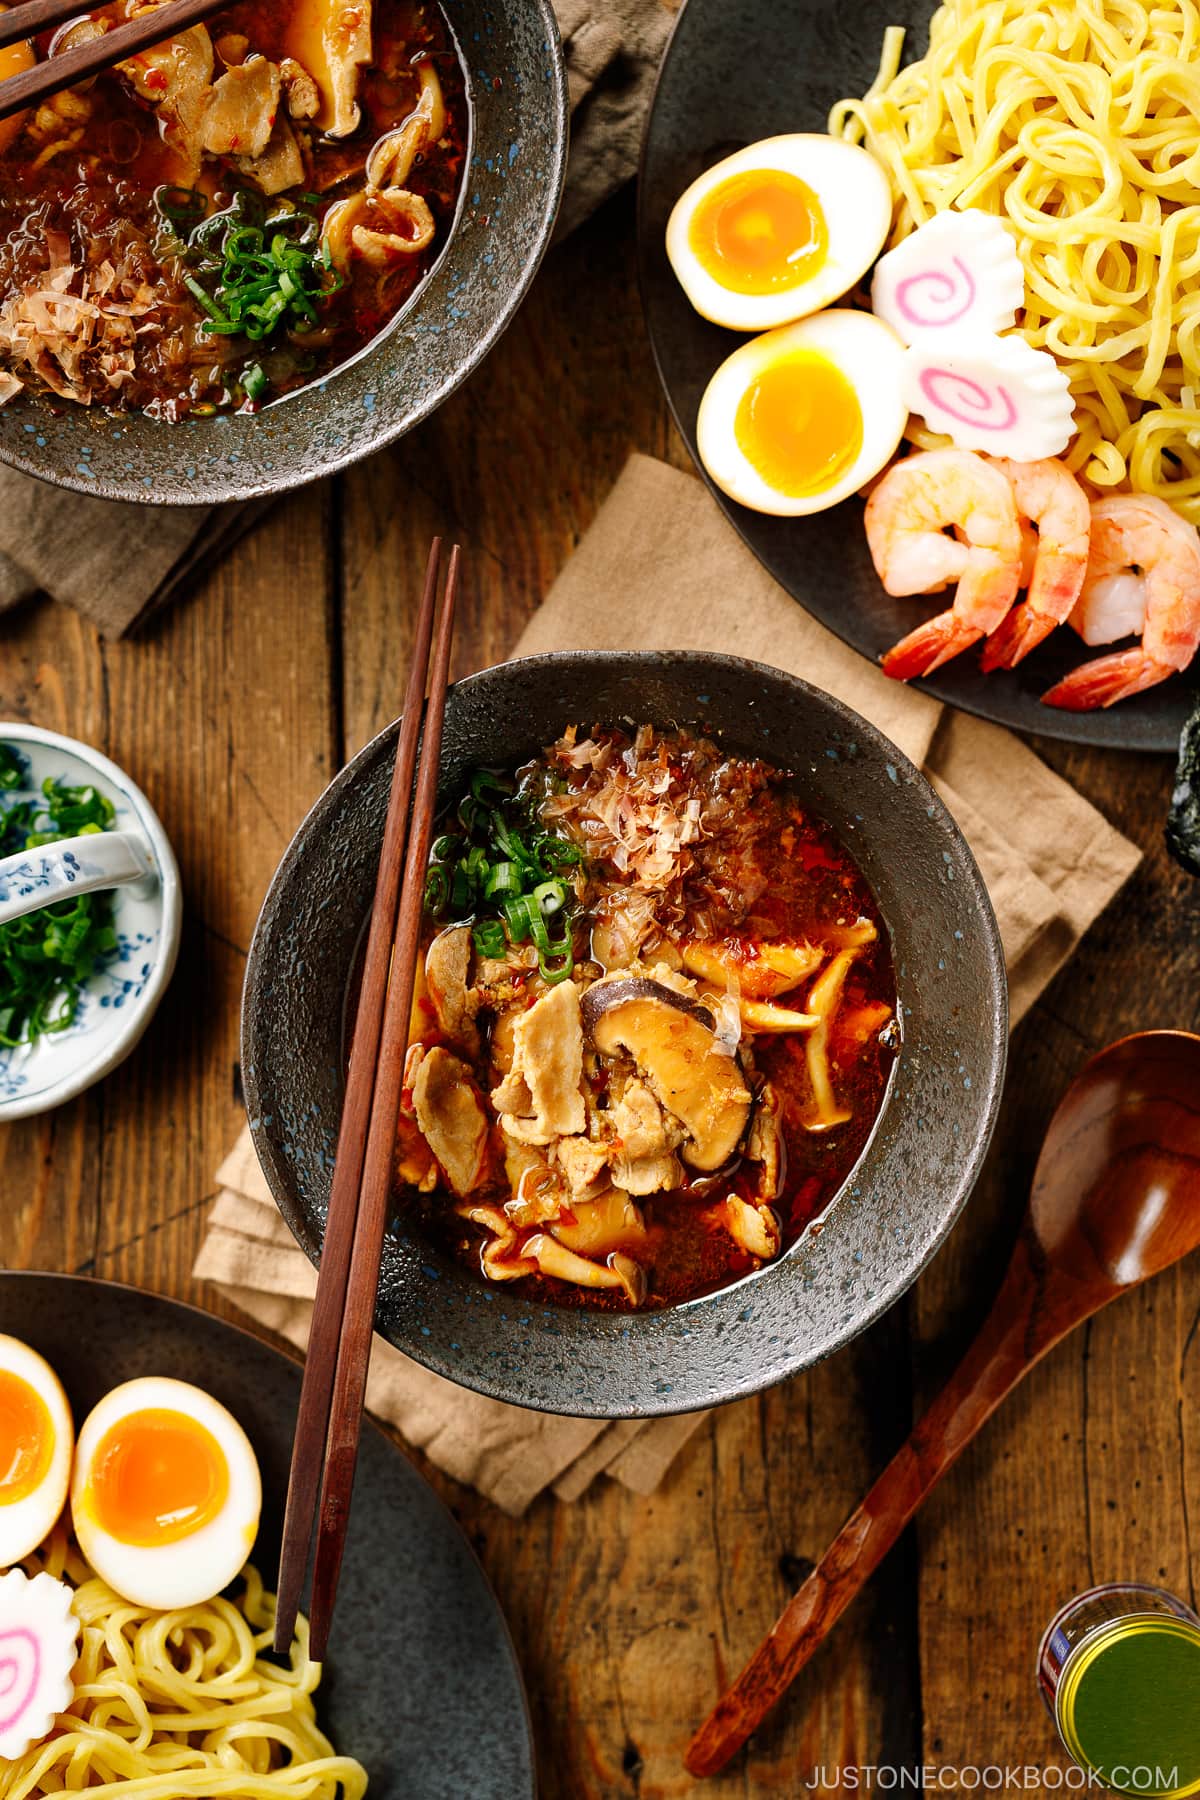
{"x": 230, "y": 216}
{"x": 655, "y": 1023}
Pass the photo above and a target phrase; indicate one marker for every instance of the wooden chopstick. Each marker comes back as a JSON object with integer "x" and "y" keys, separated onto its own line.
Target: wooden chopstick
{"x": 312, "y": 1423}
{"x": 75, "y": 65}
{"x": 354, "y": 1354}
{"x": 31, "y": 17}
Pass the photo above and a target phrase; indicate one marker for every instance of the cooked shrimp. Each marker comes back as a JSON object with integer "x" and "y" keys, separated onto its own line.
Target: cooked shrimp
{"x": 1141, "y": 536}
{"x": 1048, "y": 495}
{"x": 908, "y": 519}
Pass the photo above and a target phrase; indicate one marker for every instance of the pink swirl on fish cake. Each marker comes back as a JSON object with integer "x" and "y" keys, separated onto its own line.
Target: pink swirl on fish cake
{"x": 20, "y": 1654}
{"x": 971, "y": 402}
{"x": 944, "y": 291}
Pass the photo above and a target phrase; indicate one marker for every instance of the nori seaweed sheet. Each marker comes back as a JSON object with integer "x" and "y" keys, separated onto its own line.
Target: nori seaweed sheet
{"x": 1183, "y": 820}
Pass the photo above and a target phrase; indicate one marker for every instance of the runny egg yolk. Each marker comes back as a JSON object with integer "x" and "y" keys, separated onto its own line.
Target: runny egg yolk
{"x": 759, "y": 231}
{"x": 799, "y": 423}
{"x": 26, "y": 1438}
{"x": 158, "y": 1476}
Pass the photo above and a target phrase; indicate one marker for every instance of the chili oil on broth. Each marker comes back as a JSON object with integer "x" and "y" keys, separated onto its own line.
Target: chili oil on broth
{"x": 95, "y": 306}
{"x": 691, "y": 899}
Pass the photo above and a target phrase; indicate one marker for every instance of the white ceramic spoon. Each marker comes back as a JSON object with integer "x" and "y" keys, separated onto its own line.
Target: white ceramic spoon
{"x": 30, "y": 879}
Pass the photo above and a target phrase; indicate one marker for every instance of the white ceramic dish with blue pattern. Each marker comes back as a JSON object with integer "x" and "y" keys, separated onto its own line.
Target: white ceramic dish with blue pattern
{"x": 135, "y": 858}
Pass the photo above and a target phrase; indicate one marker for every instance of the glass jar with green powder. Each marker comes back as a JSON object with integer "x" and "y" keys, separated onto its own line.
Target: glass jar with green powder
{"x": 1119, "y": 1670}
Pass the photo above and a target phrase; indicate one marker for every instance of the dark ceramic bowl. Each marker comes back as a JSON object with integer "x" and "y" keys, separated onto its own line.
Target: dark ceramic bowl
{"x": 511, "y": 54}
{"x": 897, "y": 1204}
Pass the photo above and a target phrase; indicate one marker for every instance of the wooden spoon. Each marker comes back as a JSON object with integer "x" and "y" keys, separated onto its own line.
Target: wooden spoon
{"x": 1116, "y": 1199}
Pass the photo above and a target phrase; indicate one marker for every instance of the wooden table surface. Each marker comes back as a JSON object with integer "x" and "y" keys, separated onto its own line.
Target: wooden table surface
{"x": 233, "y": 710}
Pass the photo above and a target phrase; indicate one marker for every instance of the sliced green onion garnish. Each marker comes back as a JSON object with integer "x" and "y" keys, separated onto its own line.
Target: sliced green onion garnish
{"x": 46, "y": 956}
{"x": 254, "y": 275}
{"x": 437, "y": 889}
{"x": 503, "y": 878}
{"x": 550, "y": 896}
{"x": 555, "y": 972}
{"x": 490, "y": 939}
{"x": 503, "y": 873}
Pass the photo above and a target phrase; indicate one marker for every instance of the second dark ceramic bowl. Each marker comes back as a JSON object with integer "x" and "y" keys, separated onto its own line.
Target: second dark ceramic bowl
{"x": 909, "y": 1184}
{"x": 512, "y": 58}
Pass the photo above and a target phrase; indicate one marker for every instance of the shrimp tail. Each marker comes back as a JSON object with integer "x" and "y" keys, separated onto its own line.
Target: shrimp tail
{"x": 1106, "y": 680}
{"x": 1019, "y": 632}
{"x": 929, "y": 646}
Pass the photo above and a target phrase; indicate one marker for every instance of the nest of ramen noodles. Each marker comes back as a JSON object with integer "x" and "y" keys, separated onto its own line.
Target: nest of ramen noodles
{"x": 187, "y": 1704}
{"x": 1078, "y": 123}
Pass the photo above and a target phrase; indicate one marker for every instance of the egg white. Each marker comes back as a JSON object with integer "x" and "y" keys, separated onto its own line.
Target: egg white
{"x": 197, "y": 1567}
{"x": 869, "y": 355}
{"x": 855, "y": 197}
{"x": 24, "y": 1523}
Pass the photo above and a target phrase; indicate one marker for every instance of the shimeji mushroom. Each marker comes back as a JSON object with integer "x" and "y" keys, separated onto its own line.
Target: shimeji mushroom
{"x": 824, "y": 998}
{"x": 760, "y": 971}
{"x": 553, "y": 1258}
{"x": 392, "y": 156}
{"x": 752, "y": 1228}
{"x": 601, "y": 1227}
{"x": 332, "y": 40}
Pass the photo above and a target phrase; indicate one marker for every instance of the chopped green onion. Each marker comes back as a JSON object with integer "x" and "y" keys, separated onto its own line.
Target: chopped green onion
{"x": 490, "y": 939}
{"x": 556, "y": 852}
{"x": 12, "y": 770}
{"x": 503, "y": 878}
{"x": 503, "y": 873}
{"x": 551, "y": 896}
{"x": 437, "y": 889}
{"x": 254, "y": 275}
{"x": 555, "y": 973}
{"x": 46, "y": 956}
{"x": 255, "y": 382}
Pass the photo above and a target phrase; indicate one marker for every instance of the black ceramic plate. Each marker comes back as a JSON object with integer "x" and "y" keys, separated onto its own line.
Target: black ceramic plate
{"x": 422, "y": 1684}
{"x": 735, "y": 73}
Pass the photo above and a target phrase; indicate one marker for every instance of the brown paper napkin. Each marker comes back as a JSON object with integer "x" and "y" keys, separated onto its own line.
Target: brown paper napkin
{"x": 118, "y": 562}
{"x": 662, "y": 569}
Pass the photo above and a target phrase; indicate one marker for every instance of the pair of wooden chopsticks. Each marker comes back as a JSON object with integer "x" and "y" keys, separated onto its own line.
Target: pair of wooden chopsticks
{"x": 339, "y": 1346}
{"x": 26, "y": 21}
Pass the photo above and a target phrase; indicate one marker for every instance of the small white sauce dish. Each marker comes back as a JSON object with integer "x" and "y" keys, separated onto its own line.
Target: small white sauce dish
{"x": 118, "y": 1001}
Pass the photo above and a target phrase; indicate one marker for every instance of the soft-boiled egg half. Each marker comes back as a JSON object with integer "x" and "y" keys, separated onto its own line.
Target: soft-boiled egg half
{"x": 36, "y": 1441}
{"x": 166, "y": 1494}
{"x": 798, "y": 419}
{"x": 779, "y": 230}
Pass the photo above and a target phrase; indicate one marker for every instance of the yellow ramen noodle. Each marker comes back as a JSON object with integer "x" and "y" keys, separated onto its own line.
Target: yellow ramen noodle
{"x": 1077, "y": 121}
{"x": 181, "y": 1705}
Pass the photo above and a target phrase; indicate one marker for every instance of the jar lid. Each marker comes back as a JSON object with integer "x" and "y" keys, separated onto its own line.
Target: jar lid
{"x": 1127, "y": 1707}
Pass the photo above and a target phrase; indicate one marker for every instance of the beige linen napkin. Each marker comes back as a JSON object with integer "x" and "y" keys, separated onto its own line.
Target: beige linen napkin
{"x": 117, "y": 562}
{"x": 509, "y": 1454}
{"x": 662, "y": 569}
